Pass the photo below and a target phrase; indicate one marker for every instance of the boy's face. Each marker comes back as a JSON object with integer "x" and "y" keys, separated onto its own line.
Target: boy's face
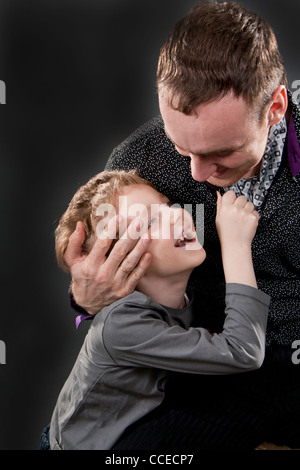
{"x": 174, "y": 245}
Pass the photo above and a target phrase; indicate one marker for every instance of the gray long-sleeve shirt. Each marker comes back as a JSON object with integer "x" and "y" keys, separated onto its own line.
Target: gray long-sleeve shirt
{"x": 127, "y": 352}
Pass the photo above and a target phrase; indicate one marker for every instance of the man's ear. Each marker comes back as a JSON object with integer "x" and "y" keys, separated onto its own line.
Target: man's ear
{"x": 279, "y": 104}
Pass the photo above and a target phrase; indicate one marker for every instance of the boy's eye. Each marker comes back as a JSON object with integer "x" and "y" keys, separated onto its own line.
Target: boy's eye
{"x": 158, "y": 216}
{"x": 151, "y": 222}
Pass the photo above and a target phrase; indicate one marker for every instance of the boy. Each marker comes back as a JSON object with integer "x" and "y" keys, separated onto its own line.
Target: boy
{"x": 131, "y": 345}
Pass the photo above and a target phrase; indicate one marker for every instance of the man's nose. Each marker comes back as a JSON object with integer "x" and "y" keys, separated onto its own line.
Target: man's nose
{"x": 202, "y": 167}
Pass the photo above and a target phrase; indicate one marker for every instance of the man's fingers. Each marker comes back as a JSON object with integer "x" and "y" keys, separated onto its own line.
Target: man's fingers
{"x": 125, "y": 245}
{"x": 133, "y": 258}
{"x": 74, "y": 248}
{"x": 104, "y": 240}
{"x": 138, "y": 272}
{"x": 128, "y": 263}
{"x": 110, "y": 230}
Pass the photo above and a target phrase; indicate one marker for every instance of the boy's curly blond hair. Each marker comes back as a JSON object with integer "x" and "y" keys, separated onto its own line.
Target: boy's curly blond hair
{"x": 101, "y": 189}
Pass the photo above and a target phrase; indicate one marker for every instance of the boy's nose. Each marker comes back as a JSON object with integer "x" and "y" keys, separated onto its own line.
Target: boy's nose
{"x": 182, "y": 222}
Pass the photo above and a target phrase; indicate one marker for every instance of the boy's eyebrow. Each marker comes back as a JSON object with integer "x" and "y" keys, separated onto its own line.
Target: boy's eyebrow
{"x": 158, "y": 204}
{"x": 219, "y": 152}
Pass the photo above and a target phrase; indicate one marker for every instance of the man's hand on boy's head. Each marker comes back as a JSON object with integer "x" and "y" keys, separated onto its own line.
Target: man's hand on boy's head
{"x": 99, "y": 280}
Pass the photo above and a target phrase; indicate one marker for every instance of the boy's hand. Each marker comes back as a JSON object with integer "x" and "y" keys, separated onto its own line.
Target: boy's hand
{"x": 236, "y": 220}
{"x": 99, "y": 280}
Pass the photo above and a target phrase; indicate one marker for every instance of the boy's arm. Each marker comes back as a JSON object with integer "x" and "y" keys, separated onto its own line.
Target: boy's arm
{"x": 236, "y": 224}
{"x": 135, "y": 334}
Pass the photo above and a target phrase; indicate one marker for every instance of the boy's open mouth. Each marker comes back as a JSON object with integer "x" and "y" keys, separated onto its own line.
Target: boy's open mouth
{"x": 185, "y": 239}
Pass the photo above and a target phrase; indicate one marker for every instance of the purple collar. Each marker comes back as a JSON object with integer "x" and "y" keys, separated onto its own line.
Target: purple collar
{"x": 293, "y": 149}
{"x": 80, "y": 318}
{"x": 83, "y": 315}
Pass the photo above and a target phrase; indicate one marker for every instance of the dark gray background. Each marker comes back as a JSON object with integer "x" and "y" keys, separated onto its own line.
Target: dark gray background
{"x": 80, "y": 77}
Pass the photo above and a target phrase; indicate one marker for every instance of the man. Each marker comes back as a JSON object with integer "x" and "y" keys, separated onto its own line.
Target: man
{"x": 227, "y": 123}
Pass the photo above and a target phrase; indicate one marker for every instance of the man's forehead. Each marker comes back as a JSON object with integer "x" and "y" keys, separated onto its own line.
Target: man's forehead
{"x": 207, "y": 143}
{"x": 222, "y": 113}
{"x": 212, "y": 149}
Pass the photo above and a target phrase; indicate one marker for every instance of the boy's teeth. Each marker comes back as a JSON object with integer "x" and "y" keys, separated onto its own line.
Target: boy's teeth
{"x": 183, "y": 238}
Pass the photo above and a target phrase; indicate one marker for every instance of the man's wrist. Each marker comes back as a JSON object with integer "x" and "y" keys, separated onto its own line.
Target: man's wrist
{"x": 74, "y": 304}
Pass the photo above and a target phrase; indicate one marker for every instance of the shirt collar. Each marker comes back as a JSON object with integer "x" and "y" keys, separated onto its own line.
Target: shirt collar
{"x": 80, "y": 318}
{"x": 293, "y": 149}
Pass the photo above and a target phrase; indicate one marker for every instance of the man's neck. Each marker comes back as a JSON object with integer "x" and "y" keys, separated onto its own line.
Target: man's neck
{"x": 167, "y": 291}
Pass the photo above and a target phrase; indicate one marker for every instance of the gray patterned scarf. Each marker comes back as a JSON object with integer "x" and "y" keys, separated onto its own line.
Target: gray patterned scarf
{"x": 256, "y": 187}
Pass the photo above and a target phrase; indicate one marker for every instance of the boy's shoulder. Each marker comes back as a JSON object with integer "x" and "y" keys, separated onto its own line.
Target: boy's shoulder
{"x": 139, "y": 301}
{"x": 125, "y": 323}
{"x": 134, "y": 303}
{"x": 137, "y": 311}
{"x": 136, "y": 298}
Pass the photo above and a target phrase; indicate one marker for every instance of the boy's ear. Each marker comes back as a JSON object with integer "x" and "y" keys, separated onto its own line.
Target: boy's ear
{"x": 279, "y": 104}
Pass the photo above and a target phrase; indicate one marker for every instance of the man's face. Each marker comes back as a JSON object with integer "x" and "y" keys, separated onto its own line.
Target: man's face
{"x": 224, "y": 139}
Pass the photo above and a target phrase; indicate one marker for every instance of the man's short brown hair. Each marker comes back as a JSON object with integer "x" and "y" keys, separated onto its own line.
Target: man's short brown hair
{"x": 219, "y": 48}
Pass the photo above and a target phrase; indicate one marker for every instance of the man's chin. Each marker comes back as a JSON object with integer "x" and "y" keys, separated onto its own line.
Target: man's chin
{"x": 226, "y": 180}
{"x": 222, "y": 182}
{"x": 230, "y": 176}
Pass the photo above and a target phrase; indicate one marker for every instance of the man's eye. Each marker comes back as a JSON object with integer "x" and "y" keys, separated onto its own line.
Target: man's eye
{"x": 224, "y": 155}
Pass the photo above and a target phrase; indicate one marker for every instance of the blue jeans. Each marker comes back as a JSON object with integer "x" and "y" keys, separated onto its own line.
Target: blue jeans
{"x": 44, "y": 442}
